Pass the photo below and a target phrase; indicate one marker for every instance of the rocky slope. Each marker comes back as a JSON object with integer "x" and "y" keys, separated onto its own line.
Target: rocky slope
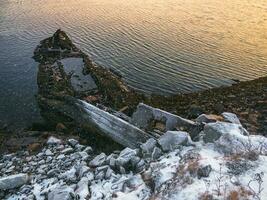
{"x": 224, "y": 163}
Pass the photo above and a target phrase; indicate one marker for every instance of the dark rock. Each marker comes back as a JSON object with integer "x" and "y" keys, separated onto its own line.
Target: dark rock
{"x": 204, "y": 171}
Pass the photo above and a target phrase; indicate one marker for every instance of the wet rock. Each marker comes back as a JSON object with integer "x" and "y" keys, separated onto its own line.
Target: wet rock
{"x": 213, "y": 131}
{"x": 98, "y": 160}
{"x": 62, "y": 193}
{"x": 204, "y": 171}
{"x": 173, "y": 139}
{"x": 231, "y": 117}
{"x": 13, "y": 181}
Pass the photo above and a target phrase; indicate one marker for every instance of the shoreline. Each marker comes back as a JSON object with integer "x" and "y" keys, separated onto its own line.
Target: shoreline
{"x": 247, "y": 99}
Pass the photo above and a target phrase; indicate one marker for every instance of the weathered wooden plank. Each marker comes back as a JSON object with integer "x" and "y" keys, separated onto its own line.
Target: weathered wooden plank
{"x": 101, "y": 122}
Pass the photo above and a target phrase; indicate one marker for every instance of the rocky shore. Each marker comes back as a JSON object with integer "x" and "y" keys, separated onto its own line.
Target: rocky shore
{"x": 103, "y": 140}
{"x": 224, "y": 163}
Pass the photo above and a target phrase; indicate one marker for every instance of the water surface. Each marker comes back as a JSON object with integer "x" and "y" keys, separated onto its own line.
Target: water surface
{"x": 158, "y": 46}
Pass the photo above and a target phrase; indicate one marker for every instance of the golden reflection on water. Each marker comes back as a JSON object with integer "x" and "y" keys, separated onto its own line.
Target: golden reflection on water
{"x": 186, "y": 44}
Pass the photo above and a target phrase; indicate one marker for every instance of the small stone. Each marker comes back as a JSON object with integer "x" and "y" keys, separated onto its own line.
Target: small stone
{"x": 204, "y": 171}
{"x": 88, "y": 150}
{"x": 67, "y": 150}
{"x": 98, "y": 160}
{"x": 125, "y": 156}
{"x": 53, "y": 141}
{"x": 148, "y": 147}
{"x": 73, "y": 142}
{"x": 53, "y": 172}
{"x": 156, "y": 153}
{"x": 61, "y": 157}
{"x": 48, "y": 152}
{"x": 173, "y": 139}
{"x": 82, "y": 188}
{"x": 62, "y": 193}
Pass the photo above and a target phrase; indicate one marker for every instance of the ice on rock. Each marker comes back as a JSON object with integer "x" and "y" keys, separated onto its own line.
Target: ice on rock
{"x": 213, "y": 131}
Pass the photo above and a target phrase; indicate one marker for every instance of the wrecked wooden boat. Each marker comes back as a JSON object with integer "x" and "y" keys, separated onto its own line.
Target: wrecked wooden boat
{"x": 72, "y": 89}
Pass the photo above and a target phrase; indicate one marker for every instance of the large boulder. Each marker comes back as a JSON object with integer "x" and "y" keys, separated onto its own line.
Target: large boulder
{"x": 213, "y": 131}
{"x": 13, "y": 181}
{"x": 173, "y": 139}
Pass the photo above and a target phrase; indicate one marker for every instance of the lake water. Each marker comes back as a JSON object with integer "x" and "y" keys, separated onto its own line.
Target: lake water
{"x": 160, "y": 46}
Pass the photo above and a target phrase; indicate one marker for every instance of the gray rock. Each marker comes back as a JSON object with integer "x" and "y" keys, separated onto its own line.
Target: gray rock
{"x": 67, "y": 150}
{"x": 48, "y": 152}
{"x": 135, "y": 160}
{"x": 231, "y": 117}
{"x": 84, "y": 155}
{"x": 173, "y": 139}
{"x": 53, "y": 141}
{"x": 125, "y": 156}
{"x": 82, "y": 189}
{"x": 73, "y": 142}
{"x": 156, "y": 153}
{"x": 81, "y": 170}
{"x": 53, "y": 172}
{"x": 132, "y": 183}
{"x": 13, "y": 181}
{"x": 141, "y": 165}
{"x": 204, "y": 171}
{"x": 98, "y": 160}
{"x": 62, "y": 193}
{"x": 213, "y": 131}
{"x": 88, "y": 150}
{"x": 148, "y": 147}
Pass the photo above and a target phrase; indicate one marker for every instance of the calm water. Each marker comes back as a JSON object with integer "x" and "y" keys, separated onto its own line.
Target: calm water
{"x": 162, "y": 46}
